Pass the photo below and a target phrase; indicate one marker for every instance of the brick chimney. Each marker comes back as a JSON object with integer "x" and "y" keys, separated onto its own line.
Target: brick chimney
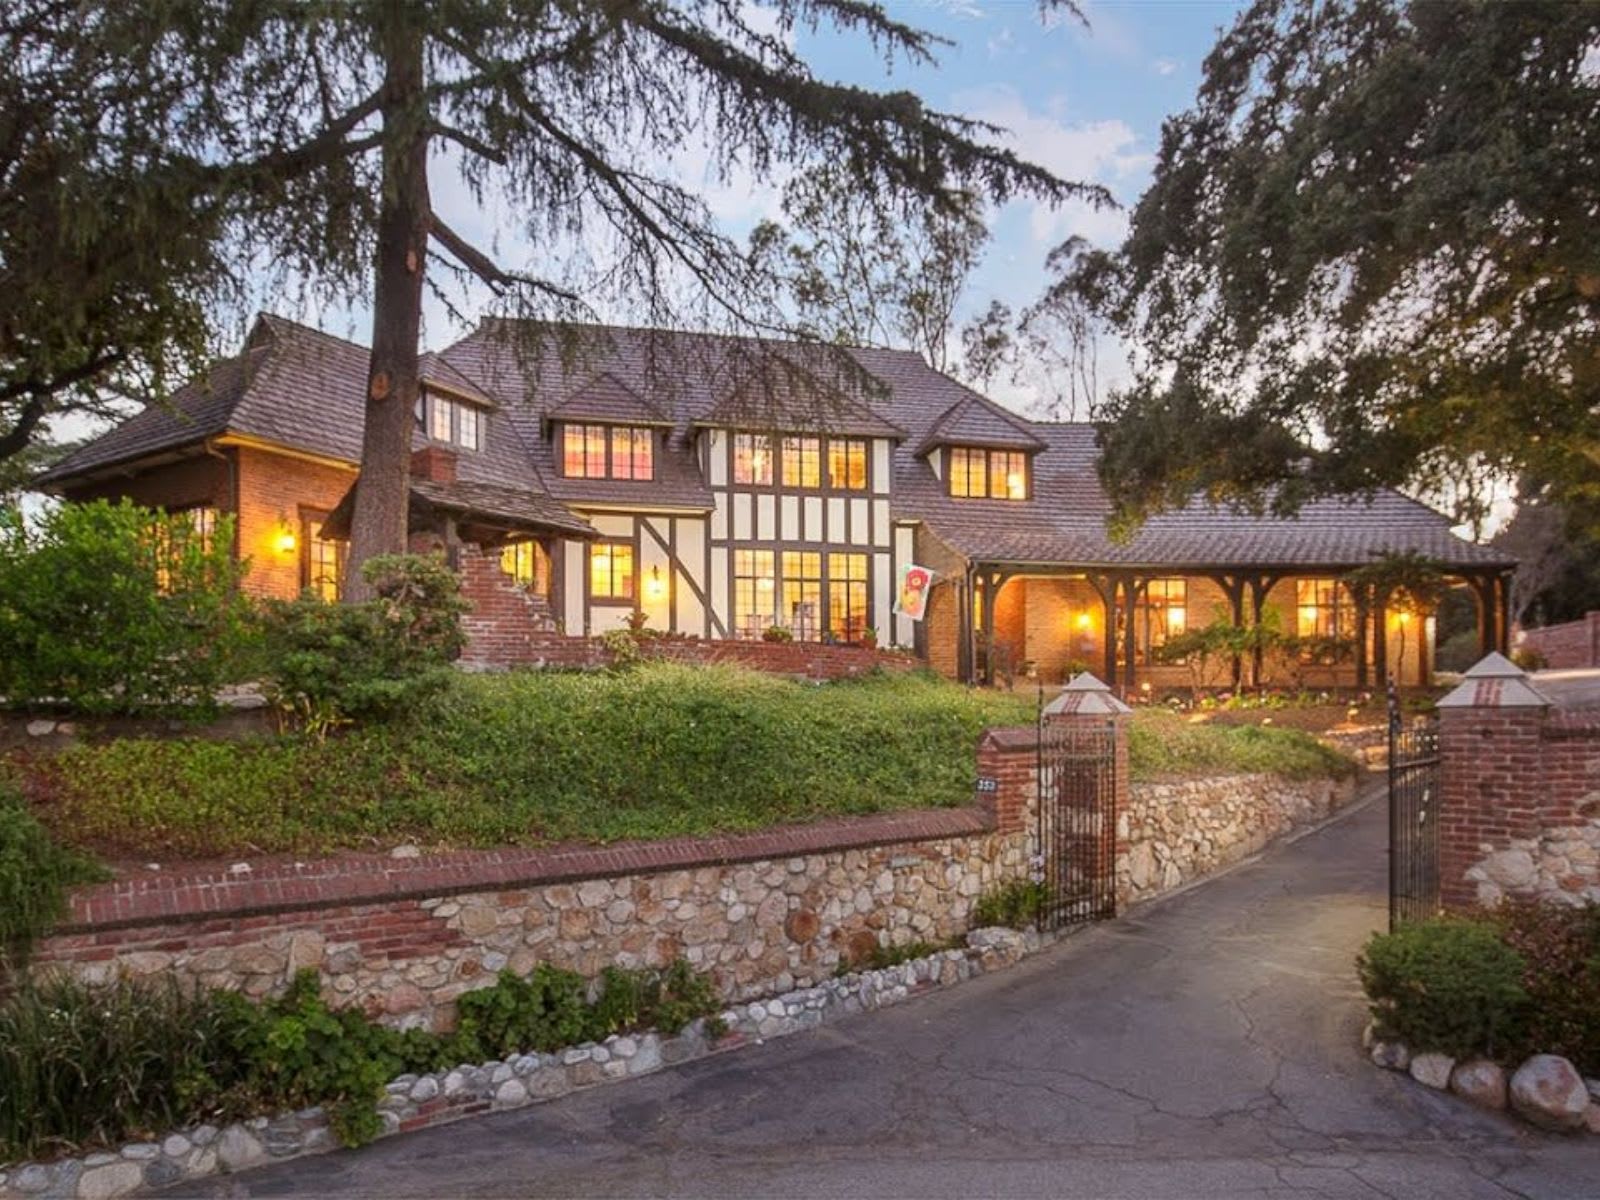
{"x": 434, "y": 464}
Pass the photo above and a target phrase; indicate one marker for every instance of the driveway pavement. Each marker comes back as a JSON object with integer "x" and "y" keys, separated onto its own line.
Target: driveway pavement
{"x": 1205, "y": 1047}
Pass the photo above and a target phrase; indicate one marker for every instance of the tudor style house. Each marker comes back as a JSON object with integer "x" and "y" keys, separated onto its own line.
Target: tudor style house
{"x": 719, "y": 487}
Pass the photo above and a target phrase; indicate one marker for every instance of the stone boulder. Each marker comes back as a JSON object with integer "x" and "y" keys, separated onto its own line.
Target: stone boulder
{"x": 1549, "y": 1092}
{"x": 1480, "y": 1081}
{"x": 1392, "y": 1055}
{"x": 1432, "y": 1070}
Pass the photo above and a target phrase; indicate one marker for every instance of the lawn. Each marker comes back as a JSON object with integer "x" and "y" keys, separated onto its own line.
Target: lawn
{"x": 523, "y": 759}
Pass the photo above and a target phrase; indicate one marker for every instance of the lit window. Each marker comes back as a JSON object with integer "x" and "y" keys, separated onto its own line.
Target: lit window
{"x": 847, "y": 464}
{"x": 632, "y": 453}
{"x": 802, "y": 594}
{"x": 991, "y": 474}
{"x": 526, "y": 564}
{"x": 611, "y": 571}
{"x": 1163, "y": 614}
{"x": 752, "y": 459}
{"x": 1323, "y": 610}
{"x": 755, "y": 593}
{"x": 439, "y": 419}
{"x": 321, "y": 559}
{"x": 802, "y": 462}
{"x": 847, "y": 596}
{"x": 583, "y": 451}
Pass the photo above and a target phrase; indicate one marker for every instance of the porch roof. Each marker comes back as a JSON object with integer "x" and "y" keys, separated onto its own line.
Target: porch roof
{"x": 1065, "y": 525}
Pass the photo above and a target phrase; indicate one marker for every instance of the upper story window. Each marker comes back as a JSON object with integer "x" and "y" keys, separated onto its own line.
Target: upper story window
{"x": 452, "y": 421}
{"x": 991, "y": 474}
{"x": 752, "y": 459}
{"x": 847, "y": 464}
{"x": 802, "y": 462}
{"x": 608, "y": 452}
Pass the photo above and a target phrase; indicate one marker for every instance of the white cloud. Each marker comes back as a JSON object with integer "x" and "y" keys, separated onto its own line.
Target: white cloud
{"x": 1104, "y": 152}
{"x": 1164, "y": 66}
{"x": 1001, "y": 43}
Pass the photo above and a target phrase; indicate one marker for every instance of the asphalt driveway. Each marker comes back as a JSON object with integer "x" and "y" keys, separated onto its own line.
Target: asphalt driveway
{"x": 1208, "y": 1046}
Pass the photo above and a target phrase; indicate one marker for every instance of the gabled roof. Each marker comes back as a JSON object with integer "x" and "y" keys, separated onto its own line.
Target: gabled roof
{"x": 437, "y": 374}
{"x": 976, "y": 421}
{"x": 607, "y": 399}
{"x": 783, "y": 407}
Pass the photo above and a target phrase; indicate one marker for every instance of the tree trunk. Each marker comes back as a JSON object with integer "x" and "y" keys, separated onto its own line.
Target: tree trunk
{"x": 378, "y": 525}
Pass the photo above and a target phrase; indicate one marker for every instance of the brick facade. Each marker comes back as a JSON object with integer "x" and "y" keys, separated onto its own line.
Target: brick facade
{"x": 1570, "y": 644}
{"x": 276, "y": 492}
{"x": 1519, "y": 804}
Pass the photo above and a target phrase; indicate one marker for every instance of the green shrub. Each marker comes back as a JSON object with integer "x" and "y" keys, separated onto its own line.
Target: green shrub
{"x": 1017, "y": 903}
{"x": 83, "y": 1066}
{"x": 1447, "y": 985}
{"x": 1561, "y": 949}
{"x": 118, "y": 609}
{"x": 35, "y": 874}
{"x": 1162, "y": 743}
{"x": 329, "y": 664}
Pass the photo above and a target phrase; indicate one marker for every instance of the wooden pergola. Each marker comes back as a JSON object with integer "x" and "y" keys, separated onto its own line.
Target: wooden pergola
{"x": 1120, "y": 589}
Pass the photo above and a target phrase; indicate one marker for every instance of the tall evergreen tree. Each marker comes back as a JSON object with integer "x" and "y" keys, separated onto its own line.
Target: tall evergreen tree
{"x": 318, "y": 126}
{"x": 1369, "y": 256}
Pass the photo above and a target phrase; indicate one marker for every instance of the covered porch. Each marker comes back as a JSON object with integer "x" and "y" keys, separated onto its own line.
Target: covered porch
{"x": 1049, "y": 621}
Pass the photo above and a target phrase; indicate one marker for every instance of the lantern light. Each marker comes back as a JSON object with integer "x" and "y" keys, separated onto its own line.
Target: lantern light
{"x": 654, "y": 587}
{"x": 286, "y": 540}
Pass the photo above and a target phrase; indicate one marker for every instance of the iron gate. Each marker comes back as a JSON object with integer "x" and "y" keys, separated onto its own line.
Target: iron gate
{"x": 1413, "y": 817}
{"x": 1077, "y": 858}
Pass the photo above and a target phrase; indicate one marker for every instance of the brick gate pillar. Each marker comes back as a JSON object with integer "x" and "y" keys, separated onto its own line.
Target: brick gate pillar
{"x": 1491, "y": 778}
{"x": 1087, "y": 702}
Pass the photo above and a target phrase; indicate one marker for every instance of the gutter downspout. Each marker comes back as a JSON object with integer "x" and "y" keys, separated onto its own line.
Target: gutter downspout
{"x": 232, "y": 468}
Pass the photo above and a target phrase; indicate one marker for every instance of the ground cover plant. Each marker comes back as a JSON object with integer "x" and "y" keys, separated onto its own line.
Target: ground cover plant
{"x": 1523, "y": 979}
{"x": 657, "y": 750}
{"x": 35, "y": 873}
{"x": 84, "y": 1066}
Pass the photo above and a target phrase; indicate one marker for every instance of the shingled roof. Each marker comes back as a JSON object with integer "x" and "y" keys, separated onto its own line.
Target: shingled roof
{"x": 303, "y": 389}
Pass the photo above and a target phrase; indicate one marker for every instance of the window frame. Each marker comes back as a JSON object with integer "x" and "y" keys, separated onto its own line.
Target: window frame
{"x": 431, "y": 405}
{"x": 312, "y": 519}
{"x": 797, "y": 584}
{"x": 538, "y": 565}
{"x": 997, "y": 468}
{"x": 611, "y": 596}
{"x": 1148, "y": 610}
{"x": 849, "y": 583}
{"x": 805, "y": 461}
{"x": 748, "y": 577}
{"x": 751, "y": 441}
{"x": 1333, "y": 615}
{"x": 849, "y": 444}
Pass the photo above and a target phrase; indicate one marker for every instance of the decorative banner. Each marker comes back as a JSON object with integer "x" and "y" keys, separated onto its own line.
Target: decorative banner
{"x": 912, "y": 597}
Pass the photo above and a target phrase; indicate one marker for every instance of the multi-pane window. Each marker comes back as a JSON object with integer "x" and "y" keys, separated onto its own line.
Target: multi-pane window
{"x": 802, "y": 462}
{"x": 583, "y": 451}
{"x": 321, "y": 558}
{"x": 802, "y": 593}
{"x": 173, "y": 536}
{"x": 994, "y": 474}
{"x": 755, "y": 593}
{"x": 1163, "y": 614}
{"x": 1323, "y": 609}
{"x": 847, "y": 596}
{"x": 632, "y": 453}
{"x": 611, "y": 571}
{"x": 527, "y": 565}
{"x": 847, "y": 464}
{"x": 752, "y": 459}
{"x": 450, "y": 421}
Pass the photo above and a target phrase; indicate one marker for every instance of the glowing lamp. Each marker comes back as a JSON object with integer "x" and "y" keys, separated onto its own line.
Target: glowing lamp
{"x": 286, "y": 540}
{"x": 1084, "y": 620}
{"x": 1175, "y": 616}
{"x": 655, "y": 587}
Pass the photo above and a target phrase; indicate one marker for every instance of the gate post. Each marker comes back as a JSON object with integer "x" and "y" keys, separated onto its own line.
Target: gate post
{"x": 1491, "y": 781}
{"x": 1087, "y": 704}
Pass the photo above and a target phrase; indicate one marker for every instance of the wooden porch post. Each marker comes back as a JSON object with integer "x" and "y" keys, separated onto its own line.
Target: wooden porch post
{"x": 1132, "y": 585}
{"x": 1380, "y": 631}
{"x": 988, "y": 590}
{"x": 1502, "y": 612}
{"x": 1105, "y": 587}
{"x": 1233, "y": 586}
{"x": 1363, "y": 633}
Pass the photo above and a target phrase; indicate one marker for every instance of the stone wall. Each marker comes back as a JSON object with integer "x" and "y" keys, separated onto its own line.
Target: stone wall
{"x": 404, "y": 937}
{"x": 1177, "y": 831}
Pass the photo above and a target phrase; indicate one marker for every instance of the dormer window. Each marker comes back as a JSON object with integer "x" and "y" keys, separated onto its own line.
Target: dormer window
{"x": 450, "y": 421}
{"x": 988, "y": 474}
{"x": 608, "y": 452}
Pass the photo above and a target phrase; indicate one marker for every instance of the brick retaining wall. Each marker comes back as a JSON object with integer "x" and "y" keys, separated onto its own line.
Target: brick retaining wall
{"x": 1571, "y": 644}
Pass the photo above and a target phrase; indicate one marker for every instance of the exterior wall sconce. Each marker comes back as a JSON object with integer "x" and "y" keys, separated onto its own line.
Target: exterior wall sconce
{"x": 285, "y": 541}
{"x": 655, "y": 587}
{"x": 1085, "y": 620}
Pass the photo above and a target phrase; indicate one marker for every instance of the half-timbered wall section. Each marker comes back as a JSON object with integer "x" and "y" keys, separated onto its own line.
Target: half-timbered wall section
{"x": 656, "y": 564}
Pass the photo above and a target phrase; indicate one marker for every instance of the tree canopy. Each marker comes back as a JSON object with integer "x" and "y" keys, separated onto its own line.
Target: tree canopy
{"x": 1369, "y": 256}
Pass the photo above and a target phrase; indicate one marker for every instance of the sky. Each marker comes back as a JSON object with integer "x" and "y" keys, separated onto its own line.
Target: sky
{"x": 1087, "y": 102}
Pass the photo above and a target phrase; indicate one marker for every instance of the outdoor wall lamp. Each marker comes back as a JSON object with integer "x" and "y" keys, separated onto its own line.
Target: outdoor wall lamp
{"x": 286, "y": 541}
{"x": 655, "y": 587}
{"x": 1085, "y": 620}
